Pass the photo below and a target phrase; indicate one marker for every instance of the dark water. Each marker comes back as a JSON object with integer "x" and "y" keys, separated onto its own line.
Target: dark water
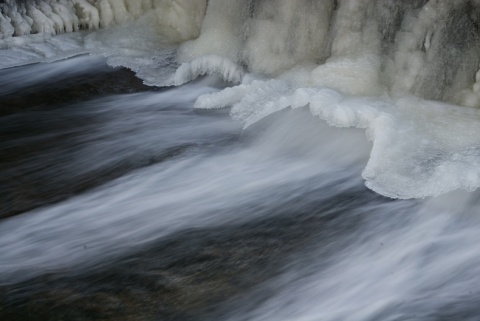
{"x": 120, "y": 202}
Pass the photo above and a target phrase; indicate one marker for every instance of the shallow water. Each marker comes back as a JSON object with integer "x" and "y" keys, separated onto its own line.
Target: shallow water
{"x": 141, "y": 208}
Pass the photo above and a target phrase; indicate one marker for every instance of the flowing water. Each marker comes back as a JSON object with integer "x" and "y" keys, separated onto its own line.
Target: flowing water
{"x": 239, "y": 160}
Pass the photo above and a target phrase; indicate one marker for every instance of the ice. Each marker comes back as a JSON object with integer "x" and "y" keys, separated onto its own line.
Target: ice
{"x": 420, "y": 148}
{"x": 405, "y": 72}
{"x": 208, "y": 65}
{"x": 6, "y": 29}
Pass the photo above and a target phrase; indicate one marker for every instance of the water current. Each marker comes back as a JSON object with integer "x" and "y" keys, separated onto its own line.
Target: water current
{"x": 261, "y": 171}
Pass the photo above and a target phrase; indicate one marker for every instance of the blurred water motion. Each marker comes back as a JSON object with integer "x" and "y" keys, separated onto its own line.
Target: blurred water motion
{"x": 143, "y": 208}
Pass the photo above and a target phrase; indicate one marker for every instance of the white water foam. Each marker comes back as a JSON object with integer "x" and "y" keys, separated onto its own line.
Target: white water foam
{"x": 405, "y": 263}
{"x": 222, "y": 185}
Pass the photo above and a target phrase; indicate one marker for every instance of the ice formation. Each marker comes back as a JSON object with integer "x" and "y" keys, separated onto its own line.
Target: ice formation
{"x": 405, "y": 71}
{"x": 179, "y": 17}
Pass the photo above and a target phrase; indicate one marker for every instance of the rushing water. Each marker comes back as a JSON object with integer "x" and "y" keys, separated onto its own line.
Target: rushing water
{"x": 236, "y": 196}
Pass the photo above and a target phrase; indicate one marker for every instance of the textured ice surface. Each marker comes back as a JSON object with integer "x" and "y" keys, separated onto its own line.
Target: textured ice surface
{"x": 420, "y": 148}
{"x": 353, "y": 63}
